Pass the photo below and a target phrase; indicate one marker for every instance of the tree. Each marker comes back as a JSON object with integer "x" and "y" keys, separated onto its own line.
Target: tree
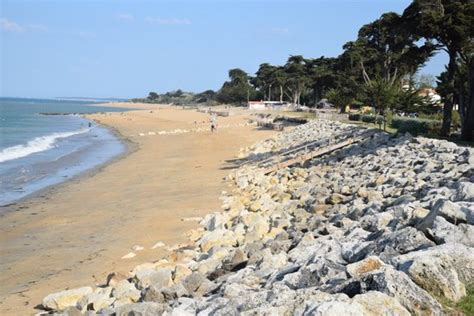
{"x": 339, "y": 98}
{"x": 322, "y": 76}
{"x": 297, "y": 78}
{"x": 205, "y": 96}
{"x": 152, "y": 96}
{"x": 237, "y": 89}
{"x": 450, "y": 23}
{"x": 264, "y": 80}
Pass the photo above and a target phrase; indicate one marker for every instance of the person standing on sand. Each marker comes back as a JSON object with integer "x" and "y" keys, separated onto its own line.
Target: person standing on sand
{"x": 213, "y": 121}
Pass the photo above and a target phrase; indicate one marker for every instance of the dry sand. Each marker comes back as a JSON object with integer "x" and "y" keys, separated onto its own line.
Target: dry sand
{"x": 75, "y": 233}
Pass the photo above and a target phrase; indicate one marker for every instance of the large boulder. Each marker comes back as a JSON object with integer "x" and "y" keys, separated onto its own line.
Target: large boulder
{"x": 398, "y": 285}
{"x": 376, "y": 303}
{"x": 443, "y": 270}
{"x": 160, "y": 277}
{"x": 125, "y": 292}
{"x": 197, "y": 284}
{"x": 443, "y": 232}
{"x": 465, "y": 191}
{"x": 452, "y": 212}
{"x": 145, "y": 308}
{"x": 61, "y": 300}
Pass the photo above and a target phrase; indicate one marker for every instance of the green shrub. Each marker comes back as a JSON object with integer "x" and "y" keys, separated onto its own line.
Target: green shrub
{"x": 455, "y": 118}
{"x": 354, "y": 117}
{"x": 416, "y": 126}
{"x": 375, "y": 119}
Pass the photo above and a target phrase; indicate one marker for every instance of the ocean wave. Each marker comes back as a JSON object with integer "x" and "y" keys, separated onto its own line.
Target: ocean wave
{"x": 36, "y": 145}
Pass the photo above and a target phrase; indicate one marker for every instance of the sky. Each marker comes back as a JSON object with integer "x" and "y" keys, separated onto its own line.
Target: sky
{"x": 125, "y": 49}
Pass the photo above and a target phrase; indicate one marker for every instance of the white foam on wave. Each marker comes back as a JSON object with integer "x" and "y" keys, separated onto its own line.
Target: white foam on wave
{"x": 36, "y": 145}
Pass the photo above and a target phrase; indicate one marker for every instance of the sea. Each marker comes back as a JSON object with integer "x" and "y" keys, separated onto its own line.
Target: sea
{"x": 39, "y": 150}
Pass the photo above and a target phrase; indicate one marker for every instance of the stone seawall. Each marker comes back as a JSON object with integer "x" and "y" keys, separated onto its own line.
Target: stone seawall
{"x": 382, "y": 227}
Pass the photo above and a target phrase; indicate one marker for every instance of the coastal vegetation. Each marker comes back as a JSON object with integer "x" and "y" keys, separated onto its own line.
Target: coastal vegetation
{"x": 379, "y": 68}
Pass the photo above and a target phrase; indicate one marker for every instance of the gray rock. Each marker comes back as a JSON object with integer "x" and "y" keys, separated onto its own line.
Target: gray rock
{"x": 126, "y": 292}
{"x": 140, "y": 309}
{"x": 356, "y": 250}
{"x": 444, "y": 232}
{"x": 445, "y": 208}
{"x": 398, "y": 285}
{"x": 159, "y": 278}
{"x": 61, "y": 300}
{"x": 198, "y": 285}
{"x": 403, "y": 241}
{"x": 452, "y": 256}
{"x": 465, "y": 192}
{"x": 376, "y": 303}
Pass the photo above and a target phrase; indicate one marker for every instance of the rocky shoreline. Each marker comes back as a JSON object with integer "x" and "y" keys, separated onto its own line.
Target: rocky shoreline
{"x": 382, "y": 227}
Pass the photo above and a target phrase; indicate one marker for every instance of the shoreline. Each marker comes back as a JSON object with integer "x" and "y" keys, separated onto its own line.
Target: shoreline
{"x": 64, "y": 224}
{"x": 129, "y": 147}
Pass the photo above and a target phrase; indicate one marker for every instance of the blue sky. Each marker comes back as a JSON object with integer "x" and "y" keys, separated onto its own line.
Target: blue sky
{"x": 128, "y": 48}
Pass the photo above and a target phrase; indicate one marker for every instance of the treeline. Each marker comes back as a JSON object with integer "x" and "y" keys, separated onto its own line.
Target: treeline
{"x": 180, "y": 97}
{"x": 378, "y": 68}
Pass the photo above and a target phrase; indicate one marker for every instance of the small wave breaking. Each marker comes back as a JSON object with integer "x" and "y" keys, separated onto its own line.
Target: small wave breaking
{"x": 36, "y": 145}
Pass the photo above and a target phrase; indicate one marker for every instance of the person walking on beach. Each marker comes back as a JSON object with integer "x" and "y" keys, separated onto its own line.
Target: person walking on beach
{"x": 213, "y": 121}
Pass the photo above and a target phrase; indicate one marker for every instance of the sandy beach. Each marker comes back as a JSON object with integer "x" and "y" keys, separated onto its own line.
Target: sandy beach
{"x": 75, "y": 233}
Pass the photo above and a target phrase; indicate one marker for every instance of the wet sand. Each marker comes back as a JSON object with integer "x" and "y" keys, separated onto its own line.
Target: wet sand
{"x": 76, "y": 233}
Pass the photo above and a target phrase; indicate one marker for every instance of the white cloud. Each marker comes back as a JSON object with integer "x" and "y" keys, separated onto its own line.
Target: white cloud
{"x": 171, "y": 21}
{"x": 125, "y": 17}
{"x": 10, "y": 26}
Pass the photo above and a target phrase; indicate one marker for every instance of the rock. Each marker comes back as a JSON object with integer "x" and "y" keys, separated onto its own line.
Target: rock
{"x": 444, "y": 232}
{"x": 336, "y": 308}
{"x": 356, "y": 250}
{"x": 126, "y": 292}
{"x": 445, "y": 208}
{"x": 213, "y": 221}
{"x": 376, "y": 222}
{"x": 175, "y": 291}
{"x": 235, "y": 261}
{"x": 440, "y": 269}
{"x": 369, "y": 264}
{"x": 403, "y": 241}
{"x": 218, "y": 237}
{"x": 399, "y": 286}
{"x": 376, "y": 303}
{"x": 321, "y": 272}
{"x": 61, "y": 300}
{"x": 114, "y": 278}
{"x": 197, "y": 284}
{"x": 160, "y": 277}
{"x": 335, "y": 198}
{"x": 435, "y": 276}
{"x": 158, "y": 245}
{"x": 97, "y": 300}
{"x": 137, "y": 248}
{"x": 362, "y": 192}
{"x": 465, "y": 191}
{"x": 180, "y": 272}
{"x": 129, "y": 255}
{"x": 145, "y": 308}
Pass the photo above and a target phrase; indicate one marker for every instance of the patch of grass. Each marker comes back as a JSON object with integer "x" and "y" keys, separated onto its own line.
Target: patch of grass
{"x": 466, "y": 305}
{"x": 306, "y": 115}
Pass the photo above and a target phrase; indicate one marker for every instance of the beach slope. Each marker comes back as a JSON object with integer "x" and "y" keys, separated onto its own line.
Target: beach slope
{"x": 74, "y": 233}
